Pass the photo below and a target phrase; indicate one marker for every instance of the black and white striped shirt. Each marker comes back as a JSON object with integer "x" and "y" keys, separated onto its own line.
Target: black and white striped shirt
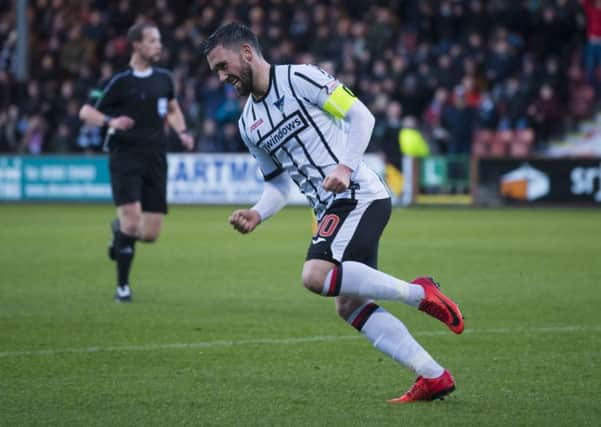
{"x": 288, "y": 130}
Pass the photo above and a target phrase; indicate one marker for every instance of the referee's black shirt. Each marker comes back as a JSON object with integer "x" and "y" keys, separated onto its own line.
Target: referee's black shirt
{"x": 142, "y": 96}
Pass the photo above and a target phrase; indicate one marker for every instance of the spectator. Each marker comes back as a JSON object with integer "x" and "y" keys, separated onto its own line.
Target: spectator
{"x": 546, "y": 113}
{"x": 433, "y": 119}
{"x": 501, "y": 61}
{"x": 592, "y": 56}
{"x": 390, "y": 139}
{"x": 89, "y": 139}
{"x": 209, "y": 141}
{"x": 582, "y": 95}
{"x": 33, "y": 139}
{"x": 62, "y": 140}
{"x": 460, "y": 120}
{"x": 405, "y": 51}
{"x": 411, "y": 141}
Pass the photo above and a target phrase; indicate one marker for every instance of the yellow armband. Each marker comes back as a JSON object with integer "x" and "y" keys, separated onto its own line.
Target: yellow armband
{"x": 339, "y": 102}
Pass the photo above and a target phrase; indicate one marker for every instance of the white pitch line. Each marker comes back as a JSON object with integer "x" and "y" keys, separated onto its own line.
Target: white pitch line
{"x": 284, "y": 341}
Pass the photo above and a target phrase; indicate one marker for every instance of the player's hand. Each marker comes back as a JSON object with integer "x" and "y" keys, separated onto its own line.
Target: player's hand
{"x": 187, "y": 140}
{"x": 121, "y": 123}
{"x": 245, "y": 220}
{"x": 338, "y": 180}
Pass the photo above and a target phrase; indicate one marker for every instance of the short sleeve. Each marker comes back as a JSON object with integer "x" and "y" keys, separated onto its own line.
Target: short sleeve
{"x": 269, "y": 168}
{"x": 171, "y": 90}
{"x": 104, "y": 95}
{"x": 170, "y": 85}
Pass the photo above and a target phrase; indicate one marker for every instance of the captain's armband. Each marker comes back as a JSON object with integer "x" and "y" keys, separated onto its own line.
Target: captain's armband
{"x": 340, "y": 101}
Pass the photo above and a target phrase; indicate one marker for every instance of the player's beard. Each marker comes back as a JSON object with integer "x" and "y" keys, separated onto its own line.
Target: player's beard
{"x": 244, "y": 88}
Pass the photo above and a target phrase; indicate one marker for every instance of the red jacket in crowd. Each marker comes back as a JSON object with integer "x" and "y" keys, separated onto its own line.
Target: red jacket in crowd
{"x": 592, "y": 9}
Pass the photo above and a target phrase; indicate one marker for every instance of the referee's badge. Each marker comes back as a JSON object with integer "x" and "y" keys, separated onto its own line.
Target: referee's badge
{"x": 280, "y": 104}
{"x": 162, "y": 107}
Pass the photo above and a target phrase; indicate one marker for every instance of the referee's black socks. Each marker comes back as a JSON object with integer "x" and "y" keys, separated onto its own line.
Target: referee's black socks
{"x": 124, "y": 255}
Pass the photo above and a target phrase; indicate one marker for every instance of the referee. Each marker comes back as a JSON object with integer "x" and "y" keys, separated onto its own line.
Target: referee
{"x": 133, "y": 106}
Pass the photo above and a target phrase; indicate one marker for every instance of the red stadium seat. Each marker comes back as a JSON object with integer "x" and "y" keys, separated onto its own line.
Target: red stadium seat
{"x": 522, "y": 144}
{"x": 525, "y": 136}
{"x": 483, "y": 136}
{"x": 482, "y": 142}
{"x": 480, "y": 149}
{"x": 500, "y": 143}
{"x": 518, "y": 149}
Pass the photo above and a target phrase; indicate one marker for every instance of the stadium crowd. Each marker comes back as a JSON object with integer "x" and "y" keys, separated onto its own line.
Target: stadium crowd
{"x": 446, "y": 67}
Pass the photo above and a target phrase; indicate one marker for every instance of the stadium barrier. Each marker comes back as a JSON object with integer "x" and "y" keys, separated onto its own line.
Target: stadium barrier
{"x": 513, "y": 182}
{"x": 436, "y": 180}
{"x": 54, "y": 178}
{"x": 192, "y": 179}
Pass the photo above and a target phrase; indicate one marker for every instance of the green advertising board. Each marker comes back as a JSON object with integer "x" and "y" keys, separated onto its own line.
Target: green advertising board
{"x": 445, "y": 172}
{"x": 65, "y": 178}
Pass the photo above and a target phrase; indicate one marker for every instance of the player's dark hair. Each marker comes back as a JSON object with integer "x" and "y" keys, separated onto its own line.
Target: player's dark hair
{"x": 230, "y": 35}
{"x": 136, "y": 31}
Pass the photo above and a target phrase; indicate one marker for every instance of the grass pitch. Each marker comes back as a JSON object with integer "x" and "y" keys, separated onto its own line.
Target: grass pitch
{"x": 222, "y": 333}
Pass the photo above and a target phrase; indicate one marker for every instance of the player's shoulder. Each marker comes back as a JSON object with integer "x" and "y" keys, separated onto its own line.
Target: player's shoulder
{"x": 311, "y": 69}
{"x": 312, "y": 75}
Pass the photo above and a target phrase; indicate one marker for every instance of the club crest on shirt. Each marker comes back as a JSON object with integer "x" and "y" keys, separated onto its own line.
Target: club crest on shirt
{"x": 279, "y": 104}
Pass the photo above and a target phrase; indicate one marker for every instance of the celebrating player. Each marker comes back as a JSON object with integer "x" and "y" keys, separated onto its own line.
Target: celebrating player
{"x": 300, "y": 120}
{"x": 133, "y": 105}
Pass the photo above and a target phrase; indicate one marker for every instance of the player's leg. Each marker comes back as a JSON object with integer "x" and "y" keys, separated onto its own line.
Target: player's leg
{"x": 350, "y": 230}
{"x": 354, "y": 236}
{"x": 389, "y": 335}
{"x": 384, "y": 330}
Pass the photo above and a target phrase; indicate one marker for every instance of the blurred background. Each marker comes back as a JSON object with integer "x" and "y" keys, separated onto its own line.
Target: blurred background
{"x": 447, "y": 80}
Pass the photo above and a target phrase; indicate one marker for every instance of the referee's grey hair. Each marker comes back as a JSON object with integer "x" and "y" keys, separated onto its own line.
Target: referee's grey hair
{"x": 230, "y": 35}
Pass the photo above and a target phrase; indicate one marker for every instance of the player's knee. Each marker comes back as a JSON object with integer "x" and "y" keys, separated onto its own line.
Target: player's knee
{"x": 346, "y": 306}
{"x": 313, "y": 280}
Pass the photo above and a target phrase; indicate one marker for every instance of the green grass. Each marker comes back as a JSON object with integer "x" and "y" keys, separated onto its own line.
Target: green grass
{"x": 209, "y": 339}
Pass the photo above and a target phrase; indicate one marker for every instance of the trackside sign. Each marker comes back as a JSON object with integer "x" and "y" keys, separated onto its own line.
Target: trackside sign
{"x": 570, "y": 181}
{"x": 191, "y": 178}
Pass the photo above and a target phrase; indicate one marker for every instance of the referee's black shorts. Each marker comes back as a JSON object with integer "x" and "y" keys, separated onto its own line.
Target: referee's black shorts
{"x": 140, "y": 176}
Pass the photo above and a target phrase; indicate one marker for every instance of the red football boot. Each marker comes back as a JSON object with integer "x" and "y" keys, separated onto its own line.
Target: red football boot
{"x": 427, "y": 389}
{"x": 437, "y": 305}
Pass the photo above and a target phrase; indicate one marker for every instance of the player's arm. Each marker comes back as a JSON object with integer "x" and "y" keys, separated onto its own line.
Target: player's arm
{"x": 275, "y": 191}
{"x": 329, "y": 94}
{"x": 176, "y": 120}
{"x": 342, "y": 103}
{"x": 272, "y": 200}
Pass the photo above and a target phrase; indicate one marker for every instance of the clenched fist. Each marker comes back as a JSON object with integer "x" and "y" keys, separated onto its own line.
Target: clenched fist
{"x": 338, "y": 180}
{"x": 245, "y": 220}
